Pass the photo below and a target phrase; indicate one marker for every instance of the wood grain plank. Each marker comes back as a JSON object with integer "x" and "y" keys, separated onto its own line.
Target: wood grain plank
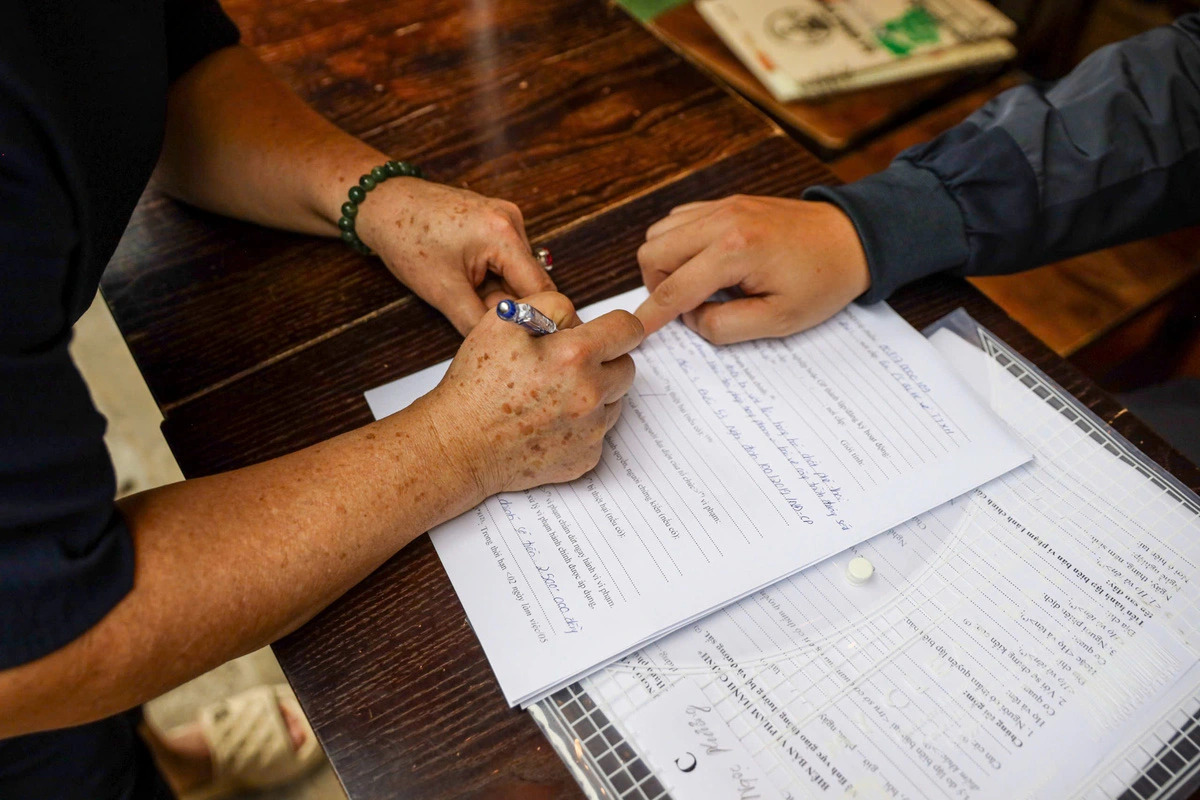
{"x": 562, "y": 124}
{"x": 1072, "y": 303}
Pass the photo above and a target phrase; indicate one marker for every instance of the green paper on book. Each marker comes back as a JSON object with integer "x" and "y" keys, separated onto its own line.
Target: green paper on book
{"x": 646, "y": 10}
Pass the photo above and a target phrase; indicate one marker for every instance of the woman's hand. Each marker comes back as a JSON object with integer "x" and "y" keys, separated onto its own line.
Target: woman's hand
{"x": 796, "y": 263}
{"x": 443, "y": 242}
{"x": 520, "y": 410}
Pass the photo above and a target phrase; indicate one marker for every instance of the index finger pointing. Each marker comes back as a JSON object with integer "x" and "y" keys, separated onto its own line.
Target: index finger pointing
{"x": 684, "y": 289}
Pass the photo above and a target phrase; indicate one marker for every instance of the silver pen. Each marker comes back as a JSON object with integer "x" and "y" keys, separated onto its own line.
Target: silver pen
{"x": 526, "y": 316}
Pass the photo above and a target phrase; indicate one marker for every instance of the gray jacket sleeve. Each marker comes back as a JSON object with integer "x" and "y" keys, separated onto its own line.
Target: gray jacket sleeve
{"x": 1109, "y": 154}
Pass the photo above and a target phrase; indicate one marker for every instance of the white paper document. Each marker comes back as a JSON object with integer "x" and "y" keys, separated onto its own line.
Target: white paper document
{"x": 1035, "y": 638}
{"x": 729, "y": 469}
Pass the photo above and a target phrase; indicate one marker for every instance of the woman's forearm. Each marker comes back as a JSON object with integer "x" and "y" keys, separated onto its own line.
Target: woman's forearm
{"x": 229, "y": 563}
{"x": 239, "y": 142}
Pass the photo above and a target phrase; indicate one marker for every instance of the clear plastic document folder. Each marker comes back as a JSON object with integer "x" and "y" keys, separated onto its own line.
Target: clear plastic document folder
{"x": 1036, "y": 637}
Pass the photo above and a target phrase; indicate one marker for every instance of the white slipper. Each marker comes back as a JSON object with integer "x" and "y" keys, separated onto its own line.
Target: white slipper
{"x": 250, "y": 743}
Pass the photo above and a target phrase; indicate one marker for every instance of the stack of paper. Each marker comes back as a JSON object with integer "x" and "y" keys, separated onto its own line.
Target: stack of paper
{"x": 1038, "y": 638}
{"x": 730, "y": 469}
{"x": 802, "y": 49}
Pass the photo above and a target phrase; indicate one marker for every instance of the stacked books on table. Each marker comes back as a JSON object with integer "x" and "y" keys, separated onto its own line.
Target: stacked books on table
{"x": 803, "y": 49}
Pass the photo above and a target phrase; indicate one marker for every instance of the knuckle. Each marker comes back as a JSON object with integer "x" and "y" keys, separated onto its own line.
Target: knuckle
{"x": 712, "y": 327}
{"x": 645, "y": 254}
{"x": 587, "y": 461}
{"x": 627, "y": 326}
{"x": 559, "y": 297}
{"x": 497, "y": 222}
{"x": 552, "y": 303}
{"x": 573, "y": 353}
{"x": 745, "y": 205}
{"x": 667, "y": 293}
{"x": 780, "y": 321}
{"x": 595, "y": 432}
{"x": 737, "y": 237}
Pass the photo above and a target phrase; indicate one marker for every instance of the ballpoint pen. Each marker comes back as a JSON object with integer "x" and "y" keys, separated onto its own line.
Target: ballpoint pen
{"x": 526, "y": 316}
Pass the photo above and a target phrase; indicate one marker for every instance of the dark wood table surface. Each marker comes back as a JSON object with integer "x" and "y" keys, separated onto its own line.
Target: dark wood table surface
{"x": 256, "y": 343}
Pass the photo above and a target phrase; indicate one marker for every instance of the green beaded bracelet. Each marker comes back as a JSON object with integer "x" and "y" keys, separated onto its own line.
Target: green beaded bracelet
{"x": 358, "y": 193}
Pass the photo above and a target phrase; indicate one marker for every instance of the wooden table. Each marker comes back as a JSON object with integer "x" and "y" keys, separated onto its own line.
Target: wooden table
{"x": 256, "y": 343}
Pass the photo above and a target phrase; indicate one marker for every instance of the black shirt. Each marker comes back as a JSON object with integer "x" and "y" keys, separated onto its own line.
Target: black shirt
{"x": 83, "y": 88}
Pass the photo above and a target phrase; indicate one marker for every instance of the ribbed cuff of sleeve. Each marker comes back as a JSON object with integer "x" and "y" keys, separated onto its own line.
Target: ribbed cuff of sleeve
{"x": 909, "y": 225}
